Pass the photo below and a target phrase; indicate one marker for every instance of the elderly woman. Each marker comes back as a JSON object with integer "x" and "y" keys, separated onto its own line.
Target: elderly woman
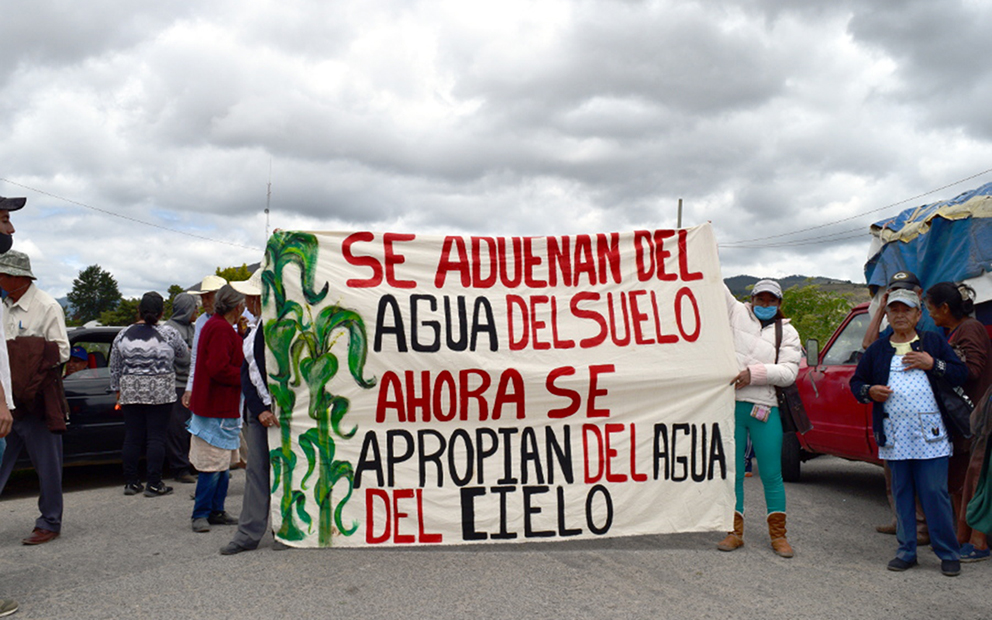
{"x": 949, "y": 305}
{"x": 756, "y": 413}
{"x": 215, "y": 425}
{"x": 141, "y": 371}
{"x": 897, "y": 375}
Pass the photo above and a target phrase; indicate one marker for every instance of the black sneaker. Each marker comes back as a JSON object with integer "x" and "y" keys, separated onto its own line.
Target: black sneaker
{"x": 951, "y": 568}
{"x": 154, "y": 490}
{"x": 233, "y": 548}
{"x": 133, "y": 488}
{"x": 221, "y": 518}
{"x": 898, "y": 564}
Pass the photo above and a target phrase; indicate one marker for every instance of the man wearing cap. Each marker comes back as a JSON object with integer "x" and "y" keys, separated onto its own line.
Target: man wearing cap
{"x": 79, "y": 359}
{"x": 7, "y": 606}
{"x": 31, "y": 313}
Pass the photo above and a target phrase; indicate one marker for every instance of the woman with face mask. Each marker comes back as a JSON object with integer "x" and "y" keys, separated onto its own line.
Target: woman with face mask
{"x": 756, "y": 415}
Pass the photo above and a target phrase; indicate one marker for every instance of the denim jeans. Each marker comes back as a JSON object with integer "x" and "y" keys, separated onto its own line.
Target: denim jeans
{"x": 926, "y": 478}
{"x": 211, "y": 491}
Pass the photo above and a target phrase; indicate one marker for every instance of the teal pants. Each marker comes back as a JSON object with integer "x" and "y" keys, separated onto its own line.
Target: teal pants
{"x": 766, "y": 438}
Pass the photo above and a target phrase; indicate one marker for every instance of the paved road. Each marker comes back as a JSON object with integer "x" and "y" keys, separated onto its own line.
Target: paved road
{"x": 136, "y": 557}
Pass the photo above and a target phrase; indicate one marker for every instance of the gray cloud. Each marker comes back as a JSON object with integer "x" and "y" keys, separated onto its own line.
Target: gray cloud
{"x": 940, "y": 51}
{"x": 766, "y": 117}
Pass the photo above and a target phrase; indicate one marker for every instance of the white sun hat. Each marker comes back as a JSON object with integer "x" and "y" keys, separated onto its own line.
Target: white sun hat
{"x": 250, "y": 287}
{"x": 209, "y": 285}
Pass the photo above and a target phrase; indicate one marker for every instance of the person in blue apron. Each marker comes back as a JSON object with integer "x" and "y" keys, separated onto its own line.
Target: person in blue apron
{"x": 896, "y": 375}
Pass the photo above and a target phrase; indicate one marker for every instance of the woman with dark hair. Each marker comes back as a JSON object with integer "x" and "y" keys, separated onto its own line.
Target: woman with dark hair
{"x": 141, "y": 371}
{"x": 949, "y": 305}
{"x": 756, "y": 415}
{"x": 215, "y": 425}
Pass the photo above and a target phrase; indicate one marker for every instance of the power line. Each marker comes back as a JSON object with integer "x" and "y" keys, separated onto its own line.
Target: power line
{"x": 129, "y": 218}
{"x": 835, "y": 236}
{"x": 854, "y": 217}
{"x": 798, "y": 243}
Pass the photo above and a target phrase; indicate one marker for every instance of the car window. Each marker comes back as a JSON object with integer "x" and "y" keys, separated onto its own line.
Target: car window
{"x": 89, "y": 373}
{"x": 98, "y": 356}
{"x": 846, "y": 349}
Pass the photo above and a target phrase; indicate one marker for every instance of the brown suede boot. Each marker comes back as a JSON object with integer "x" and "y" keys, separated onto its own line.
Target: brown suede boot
{"x": 734, "y": 539}
{"x": 776, "y": 530}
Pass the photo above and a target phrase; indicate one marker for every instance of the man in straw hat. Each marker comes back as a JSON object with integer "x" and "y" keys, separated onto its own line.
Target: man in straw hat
{"x": 254, "y": 519}
{"x": 252, "y": 290}
{"x": 31, "y": 313}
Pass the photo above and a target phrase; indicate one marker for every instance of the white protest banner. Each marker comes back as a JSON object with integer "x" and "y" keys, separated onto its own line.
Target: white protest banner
{"x": 461, "y": 389}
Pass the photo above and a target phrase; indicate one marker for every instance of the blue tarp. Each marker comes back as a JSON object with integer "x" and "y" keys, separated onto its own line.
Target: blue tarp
{"x": 949, "y": 250}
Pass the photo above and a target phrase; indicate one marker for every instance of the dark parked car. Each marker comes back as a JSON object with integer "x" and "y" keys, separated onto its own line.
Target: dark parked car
{"x": 95, "y": 431}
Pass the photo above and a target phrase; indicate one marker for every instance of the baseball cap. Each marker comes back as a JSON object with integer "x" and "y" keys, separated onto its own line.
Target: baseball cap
{"x": 904, "y": 280}
{"x": 11, "y": 204}
{"x": 905, "y": 296}
{"x": 767, "y": 286}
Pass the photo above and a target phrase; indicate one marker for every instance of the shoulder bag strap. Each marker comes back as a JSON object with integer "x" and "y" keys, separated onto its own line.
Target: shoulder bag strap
{"x": 778, "y": 337}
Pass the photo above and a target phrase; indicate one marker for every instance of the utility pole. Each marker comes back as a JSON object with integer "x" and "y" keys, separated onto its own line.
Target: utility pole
{"x": 268, "y": 199}
{"x": 678, "y": 224}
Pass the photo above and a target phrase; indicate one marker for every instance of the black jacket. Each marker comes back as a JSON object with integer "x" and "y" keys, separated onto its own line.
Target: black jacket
{"x": 253, "y": 402}
{"x": 873, "y": 369}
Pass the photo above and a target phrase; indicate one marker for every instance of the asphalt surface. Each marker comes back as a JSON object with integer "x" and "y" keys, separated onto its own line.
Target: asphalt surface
{"x": 136, "y": 557}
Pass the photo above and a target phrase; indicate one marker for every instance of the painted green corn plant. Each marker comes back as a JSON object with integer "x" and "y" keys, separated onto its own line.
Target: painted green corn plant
{"x": 328, "y": 410}
{"x": 302, "y": 351}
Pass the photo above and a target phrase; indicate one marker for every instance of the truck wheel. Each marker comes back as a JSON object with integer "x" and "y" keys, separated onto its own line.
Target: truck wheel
{"x": 790, "y": 457}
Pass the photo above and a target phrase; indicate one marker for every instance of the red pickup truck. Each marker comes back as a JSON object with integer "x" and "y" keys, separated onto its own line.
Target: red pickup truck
{"x": 841, "y": 425}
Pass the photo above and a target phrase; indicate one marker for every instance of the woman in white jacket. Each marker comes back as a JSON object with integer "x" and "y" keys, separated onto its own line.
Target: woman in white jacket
{"x": 756, "y": 411}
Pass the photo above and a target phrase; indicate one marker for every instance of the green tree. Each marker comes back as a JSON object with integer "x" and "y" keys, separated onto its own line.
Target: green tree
{"x": 174, "y": 290}
{"x": 93, "y": 292}
{"x": 125, "y": 313}
{"x": 815, "y": 313}
{"x": 234, "y": 274}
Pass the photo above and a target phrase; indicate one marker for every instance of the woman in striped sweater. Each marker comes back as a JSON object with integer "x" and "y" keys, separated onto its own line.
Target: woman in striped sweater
{"x": 141, "y": 371}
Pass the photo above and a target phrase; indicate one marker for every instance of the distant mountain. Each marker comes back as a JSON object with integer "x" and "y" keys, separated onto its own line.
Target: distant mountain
{"x": 741, "y": 285}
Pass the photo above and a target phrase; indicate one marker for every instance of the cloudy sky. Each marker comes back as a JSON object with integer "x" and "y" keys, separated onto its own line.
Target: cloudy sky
{"x": 143, "y": 134}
